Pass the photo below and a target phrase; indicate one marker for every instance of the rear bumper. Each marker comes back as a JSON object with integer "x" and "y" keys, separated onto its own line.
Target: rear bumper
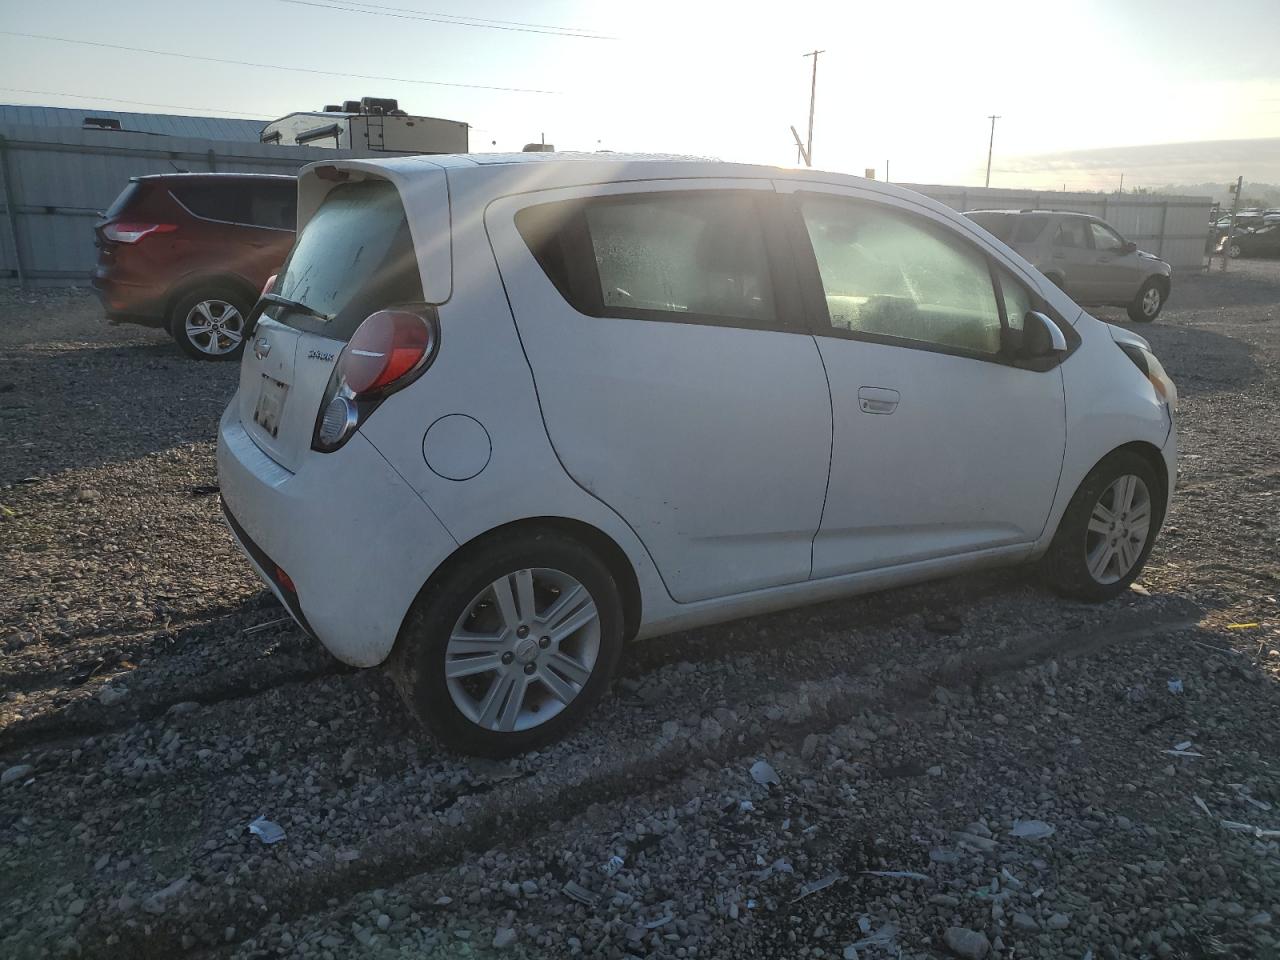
{"x": 128, "y": 302}
{"x": 354, "y": 539}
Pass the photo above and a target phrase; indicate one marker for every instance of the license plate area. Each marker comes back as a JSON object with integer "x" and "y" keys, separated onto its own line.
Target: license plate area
{"x": 270, "y": 405}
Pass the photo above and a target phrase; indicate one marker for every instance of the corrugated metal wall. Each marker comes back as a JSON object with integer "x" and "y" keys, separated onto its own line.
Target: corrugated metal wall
{"x": 169, "y": 124}
{"x": 59, "y": 178}
{"x": 1174, "y": 228}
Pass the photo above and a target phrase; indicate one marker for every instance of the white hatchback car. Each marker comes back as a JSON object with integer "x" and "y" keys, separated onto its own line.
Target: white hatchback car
{"x": 500, "y": 414}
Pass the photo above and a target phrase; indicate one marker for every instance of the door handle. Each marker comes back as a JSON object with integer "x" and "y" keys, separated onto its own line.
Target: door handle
{"x": 877, "y": 400}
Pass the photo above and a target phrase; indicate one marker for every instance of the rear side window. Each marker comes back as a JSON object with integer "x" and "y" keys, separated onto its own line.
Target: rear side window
{"x": 1070, "y": 233}
{"x": 214, "y": 201}
{"x": 1029, "y": 228}
{"x": 999, "y": 225}
{"x": 697, "y": 257}
{"x": 354, "y": 257}
{"x": 266, "y": 203}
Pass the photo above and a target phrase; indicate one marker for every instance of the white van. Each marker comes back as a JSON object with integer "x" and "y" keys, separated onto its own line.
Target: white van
{"x": 500, "y": 414}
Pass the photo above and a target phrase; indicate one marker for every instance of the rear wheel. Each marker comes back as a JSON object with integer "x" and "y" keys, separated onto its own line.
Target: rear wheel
{"x": 510, "y": 648}
{"x": 1108, "y": 530}
{"x": 1146, "y": 306}
{"x": 209, "y": 323}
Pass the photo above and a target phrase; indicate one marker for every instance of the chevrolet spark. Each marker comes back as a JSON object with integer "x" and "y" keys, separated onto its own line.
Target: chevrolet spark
{"x": 500, "y": 414}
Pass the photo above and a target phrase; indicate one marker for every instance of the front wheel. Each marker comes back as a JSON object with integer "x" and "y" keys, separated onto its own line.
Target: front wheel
{"x": 209, "y": 324}
{"x": 511, "y": 647}
{"x": 1146, "y": 306}
{"x": 1107, "y": 531}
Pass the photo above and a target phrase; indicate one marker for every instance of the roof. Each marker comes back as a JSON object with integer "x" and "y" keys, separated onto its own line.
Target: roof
{"x": 215, "y": 176}
{"x": 1062, "y": 213}
{"x": 204, "y": 128}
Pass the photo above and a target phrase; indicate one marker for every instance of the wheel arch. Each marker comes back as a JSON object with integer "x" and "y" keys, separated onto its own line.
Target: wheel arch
{"x": 594, "y": 539}
{"x": 189, "y": 285}
{"x": 1152, "y": 455}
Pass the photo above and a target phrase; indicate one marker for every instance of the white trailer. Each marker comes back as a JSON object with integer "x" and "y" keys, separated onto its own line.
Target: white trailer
{"x": 370, "y": 123}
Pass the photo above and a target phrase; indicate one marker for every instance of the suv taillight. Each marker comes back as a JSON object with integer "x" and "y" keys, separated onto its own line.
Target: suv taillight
{"x": 129, "y": 232}
{"x": 388, "y": 351}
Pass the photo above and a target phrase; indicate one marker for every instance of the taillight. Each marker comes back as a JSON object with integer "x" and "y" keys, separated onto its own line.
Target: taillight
{"x": 129, "y": 232}
{"x": 388, "y": 351}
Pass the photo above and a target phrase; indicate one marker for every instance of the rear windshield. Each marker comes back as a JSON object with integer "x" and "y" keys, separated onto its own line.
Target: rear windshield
{"x": 354, "y": 257}
{"x": 1012, "y": 228}
{"x": 122, "y": 201}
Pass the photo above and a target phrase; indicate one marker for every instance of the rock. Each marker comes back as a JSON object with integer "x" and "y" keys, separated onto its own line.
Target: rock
{"x": 77, "y": 907}
{"x": 384, "y": 922}
{"x": 1024, "y": 921}
{"x": 529, "y": 887}
{"x": 159, "y": 901}
{"x": 985, "y": 844}
{"x": 935, "y": 771}
{"x": 969, "y": 944}
{"x": 109, "y": 696}
{"x": 87, "y": 495}
{"x": 181, "y": 709}
{"x": 809, "y": 747}
{"x": 670, "y": 729}
{"x": 504, "y": 938}
{"x": 1032, "y": 829}
{"x": 1058, "y": 921}
{"x": 850, "y": 953}
{"x": 18, "y": 772}
{"x": 944, "y": 900}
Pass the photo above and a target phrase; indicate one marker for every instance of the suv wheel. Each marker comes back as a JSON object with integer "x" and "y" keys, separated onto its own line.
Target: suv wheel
{"x": 1233, "y": 251}
{"x": 209, "y": 324}
{"x": 1108, "y": 530}
{"x": 1146, "y": 306}
{"x": 510, "y": 648}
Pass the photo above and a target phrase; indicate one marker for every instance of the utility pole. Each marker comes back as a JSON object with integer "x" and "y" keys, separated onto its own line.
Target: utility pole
{"x": 1231, "y": 228}
{"x": 886, "y": 171}
{"x": 990, "y": 144}
{"x": 813, "y": 96}
{"x": 1122, "y": 183}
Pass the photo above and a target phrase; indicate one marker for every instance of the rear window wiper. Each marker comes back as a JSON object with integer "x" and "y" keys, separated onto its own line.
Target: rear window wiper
{"x": 296, "y": 305}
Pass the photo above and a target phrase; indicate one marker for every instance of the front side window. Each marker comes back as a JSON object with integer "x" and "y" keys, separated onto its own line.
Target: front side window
{"x": 697, "y": 257}
{"x": 1105, "y": 239}
{"x": 1069, "y": 233}
{"x": 894, "y": 275}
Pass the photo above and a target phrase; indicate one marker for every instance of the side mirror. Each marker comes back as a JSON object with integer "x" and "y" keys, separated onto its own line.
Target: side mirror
{"x": 1041, "y": 336}
{"x": 1129, "y": 247}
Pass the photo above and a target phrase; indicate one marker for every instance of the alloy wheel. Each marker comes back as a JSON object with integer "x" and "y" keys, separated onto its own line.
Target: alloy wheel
{"x": 1119, "y": 526}
{"x": 1151, "y": 301}
{"x": 215, "y": 327}
{"x": 522, "y": 650}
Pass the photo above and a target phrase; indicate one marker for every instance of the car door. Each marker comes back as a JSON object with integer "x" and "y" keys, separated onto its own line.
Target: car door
{"x": 942, "y": 444}
{"x": 1072, "y": 258}
{"x": 676, "y": 374}
{"x": 1118, "y": 272}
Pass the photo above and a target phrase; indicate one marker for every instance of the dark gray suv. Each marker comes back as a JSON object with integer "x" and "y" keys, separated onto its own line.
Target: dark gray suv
{"x": 1084, "y": 256}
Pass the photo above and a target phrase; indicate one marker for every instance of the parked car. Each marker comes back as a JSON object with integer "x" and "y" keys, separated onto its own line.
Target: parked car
{"x": 498, "y": 416}
{"x": 1086, "y": 257}
{"x": 189, "y": 252}
{"x": 1259, "y": 241}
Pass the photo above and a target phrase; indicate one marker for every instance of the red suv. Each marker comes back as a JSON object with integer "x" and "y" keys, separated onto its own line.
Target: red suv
{"x": 190, "y": 252}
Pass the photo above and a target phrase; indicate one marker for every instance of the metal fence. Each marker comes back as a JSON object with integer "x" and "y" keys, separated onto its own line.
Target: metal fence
{"x": 56, "y": 180}
{"x": 1173, "y": 228}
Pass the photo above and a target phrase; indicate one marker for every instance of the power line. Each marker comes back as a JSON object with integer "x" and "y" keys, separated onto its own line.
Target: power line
{"x": 140, "y": 103}
{"x": 455, "y": 16}
{"x": 271, "y": 66}
{"x": 388, "y": 12}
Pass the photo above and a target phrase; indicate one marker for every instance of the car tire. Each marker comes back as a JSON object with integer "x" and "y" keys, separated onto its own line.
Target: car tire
{"x": 1146, "y": 306}
{"x": 466, "y": 653}
{"x": 1097, "y": 551}
{"x": 208, "y": 323}
{"x": 1234, "y": 251}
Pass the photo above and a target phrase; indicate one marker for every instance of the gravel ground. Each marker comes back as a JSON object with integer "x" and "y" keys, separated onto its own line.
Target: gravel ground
{"x": 969, "y": 768}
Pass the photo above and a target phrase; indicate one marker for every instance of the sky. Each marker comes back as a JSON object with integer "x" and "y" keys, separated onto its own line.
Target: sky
{"x": 907, "y": 84}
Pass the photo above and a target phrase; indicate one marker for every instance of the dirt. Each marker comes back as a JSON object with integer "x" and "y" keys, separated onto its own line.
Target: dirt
{"x": 154, "y": 701}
